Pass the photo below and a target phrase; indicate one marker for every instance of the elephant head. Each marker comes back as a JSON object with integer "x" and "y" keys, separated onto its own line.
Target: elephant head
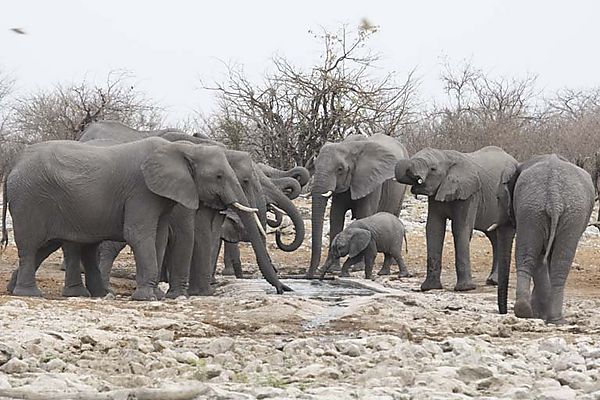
{"x": 445, "y": 175}
{"x": 355, "y": 166}
{"x": 350, "y": 242}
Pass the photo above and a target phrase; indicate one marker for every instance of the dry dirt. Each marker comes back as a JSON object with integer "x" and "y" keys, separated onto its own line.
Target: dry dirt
{"x": 246, "y": 342}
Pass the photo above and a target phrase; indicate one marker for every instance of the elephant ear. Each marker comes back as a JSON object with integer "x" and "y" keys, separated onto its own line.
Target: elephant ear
{"x": 461, "y": 182}
{"x": 359, "y": 242}
{"x": 506, "y": 192}
{"x": 167, "y": 173}
{"x": 374, "y": 165}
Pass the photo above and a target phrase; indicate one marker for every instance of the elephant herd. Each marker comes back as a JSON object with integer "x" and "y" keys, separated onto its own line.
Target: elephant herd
{"x": 175, "y": 199}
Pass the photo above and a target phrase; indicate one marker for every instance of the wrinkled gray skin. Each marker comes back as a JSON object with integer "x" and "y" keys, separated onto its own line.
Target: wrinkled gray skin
{"x": 363, "y": 239}
{"x": 461, "y": 187}
{"x": 551, "y": 201}
{"x": 359, "y": 172}
{"x": 80, "y": 201}
{"x": 194, "y": 237}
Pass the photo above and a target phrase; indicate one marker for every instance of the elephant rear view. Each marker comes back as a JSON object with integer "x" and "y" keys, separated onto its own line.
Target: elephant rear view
{"x": 551, "y": 201}
{"x": 357, "y": 174}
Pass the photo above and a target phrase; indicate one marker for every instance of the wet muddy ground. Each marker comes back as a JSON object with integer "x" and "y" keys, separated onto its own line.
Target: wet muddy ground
{"x": 346, "y": 338}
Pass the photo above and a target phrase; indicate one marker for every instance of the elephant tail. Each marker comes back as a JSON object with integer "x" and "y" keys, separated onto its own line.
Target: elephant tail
{"x": 4, "y": 240}
{"x": 405, "y": 242}
{"x": 553, "y": 226}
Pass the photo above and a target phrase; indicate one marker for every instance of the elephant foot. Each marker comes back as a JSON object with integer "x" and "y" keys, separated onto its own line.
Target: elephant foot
{"x": 75, "y": 291}
{"x": 283, "y": 288}
{"x": 384, "y": 270}
{"x": 405, "y": 274}
{"x": 12, "y": 282}
{"x": 174, "y": 293}
{"x": 492, "y": 280}
{"x": 29, "y": 291}
{"x": 557, "y": 321}
{"x": 159, "y": 293}
{"x": 523, "y": 309}
{"x": 98, "y": 291}
{"x": 209, "y": 291}
{"x": 358, "y": 267}
{"x": 228, "y": 271}
{"x": 344, "y": 274}
{"x": 431, "y": 284}
{"x": 145, "y": 293}
{"x": 464, "y": 286}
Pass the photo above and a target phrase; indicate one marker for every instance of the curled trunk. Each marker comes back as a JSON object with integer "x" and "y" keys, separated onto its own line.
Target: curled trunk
{"x": 277, "y": 198}
{"x": 289, "y": 186}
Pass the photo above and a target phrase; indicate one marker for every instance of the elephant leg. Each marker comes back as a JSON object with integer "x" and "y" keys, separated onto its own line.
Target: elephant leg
{"x": 40, "y": 256}
{"x": 492, "y": 279}
{"x": 350, "y": 261}
{"x": 370, "y": 253}
{"x": 231, "y": 258}
{"x": 387, "y": 261}
{"x": 541, "y": 290}
{"x": 201, "y": 271}
{"x": 72, "y": 260}
{"x": 337, "y": 216}
{"x": 404, "y": 272}
{"x": 462, "y": 230}
{"x": 107, "y": 253}
{"x": 178, "y": 252}
{"x": 435, "y": 231}
{"x": 559, "y": 265}
{"x": 363, "y": 208}
{"x": 93, "y": 277}
{"x": 505, "y": 236}
{"x": 529, "y": 247}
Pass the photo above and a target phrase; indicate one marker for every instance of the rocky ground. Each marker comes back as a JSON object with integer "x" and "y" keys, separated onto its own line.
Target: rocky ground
{"x": 337, "y": 339}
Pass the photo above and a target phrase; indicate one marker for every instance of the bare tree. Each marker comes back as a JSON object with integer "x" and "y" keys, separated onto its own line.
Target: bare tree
{"x": 64, "y": 111}
{"x": 286, "y": 119}
{"x": 6, "y": 87}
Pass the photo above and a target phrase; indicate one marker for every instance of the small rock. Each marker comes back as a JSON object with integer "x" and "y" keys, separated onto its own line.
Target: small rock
{"x": 4, "y": 383}
{"x": 573, "y": 379}
{"x": 349, "y": 349}
{"x": 6, "y": 353}
{"x": 569, "y": 361}
{"x": 271, "y": 329}
{"x": 554, "y": 345}
{"x": 56, "y": 364}
{"x": 471, "y": 373}
{"x": 15, "y": 366}
{"x": 187, "y": 357}
{"x": 165, "y": 335}
{"x": 560, "y": 393}
{"x": 219, "y": 345}
{"x": 316, "y": 371}
{"x": 16, "y": 304}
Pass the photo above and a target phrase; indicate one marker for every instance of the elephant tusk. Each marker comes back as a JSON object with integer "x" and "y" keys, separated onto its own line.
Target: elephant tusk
{"x": 419, "y": 181}
{"x": 279, "y": 210}
{"x": 260, "y": 227}
{"x": 244, "y": 208}
{"x": 492, "y": 227}
{"x": 327, "y": 194}
{"x": 305, "y": 195}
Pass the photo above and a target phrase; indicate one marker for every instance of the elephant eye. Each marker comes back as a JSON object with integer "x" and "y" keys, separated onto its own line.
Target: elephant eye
{"x": 433, "y": 169}
{"x": 219, "y": 176}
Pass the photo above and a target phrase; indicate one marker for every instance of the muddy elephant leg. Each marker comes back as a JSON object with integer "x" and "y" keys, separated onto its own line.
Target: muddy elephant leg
{"x": 72, "y": 260}
{"x": 492, "y": 279}
{"x": 107, "y": 254}
{"x": 349, "y": 263}
{"x": 387, "y": 261}
{"x": 40, "y": 256}
{"x": 93, "y": 278}
{"x": 435, "y": 231}
{"x": 231, "y": 259}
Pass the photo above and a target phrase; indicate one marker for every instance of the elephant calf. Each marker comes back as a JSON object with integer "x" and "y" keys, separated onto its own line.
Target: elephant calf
{"x": 363, "y": 239}
{"x": 550, "y": 201}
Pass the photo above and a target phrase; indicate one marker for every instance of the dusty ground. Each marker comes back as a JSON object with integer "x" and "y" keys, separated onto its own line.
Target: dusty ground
{"x": 246, "y": 342}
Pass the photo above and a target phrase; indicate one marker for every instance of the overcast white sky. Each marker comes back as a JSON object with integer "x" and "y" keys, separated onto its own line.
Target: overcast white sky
{"x": 170, "y": 45}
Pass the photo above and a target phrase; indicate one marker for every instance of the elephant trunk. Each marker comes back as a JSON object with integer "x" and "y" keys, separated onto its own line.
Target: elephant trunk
{"x": 292, "y": 211}
{"x": 262, "y": 257}
{"x": 300, "y": 174}
{"x": 405, "y": 172}
{"x": 274, "y": 223}
{"x": 319, "y": 203}
{"x": 290, "y": 186}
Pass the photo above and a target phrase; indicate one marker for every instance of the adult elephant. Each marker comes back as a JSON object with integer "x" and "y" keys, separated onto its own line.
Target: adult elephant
{"x": 277, "y": 194}
{"x": 549, "y": 200}
{"x": 64, "y": 192}
{"x": 357, "y": 174}
{"x": 461, "y": 187}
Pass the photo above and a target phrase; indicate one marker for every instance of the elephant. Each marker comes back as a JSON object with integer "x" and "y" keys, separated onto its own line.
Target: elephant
{"x": 195, "y": 236}
{"x": 77, "y": 195}
{"x": 461, "y": 187}
{"x": 549, "y": 201}
{"x": 364, "y": 238}
{"x": 357, "y": 174}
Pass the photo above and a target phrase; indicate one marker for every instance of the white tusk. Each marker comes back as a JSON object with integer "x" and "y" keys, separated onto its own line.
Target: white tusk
{"x": 394, "y": 179}
{"x": 305, "y": 195}
{"x": 260, "y": 227}
{"x": 274, "y": 207}
{"x": 492, "y": 227}
{"x": 244, "y": 208}
{"x": 327, "y": 194}
{"x": 419, "y": 181}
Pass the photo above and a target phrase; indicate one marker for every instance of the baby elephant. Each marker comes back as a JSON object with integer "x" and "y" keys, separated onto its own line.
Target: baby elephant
{"x": 363, "y": 239}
